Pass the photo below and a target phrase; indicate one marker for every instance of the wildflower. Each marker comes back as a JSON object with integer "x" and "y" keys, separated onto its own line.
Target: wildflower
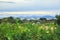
{"x": 52, "y": 28}
{"x": 55, "y": 27}
{"x": 33, "y": 23}
{"x": 46, "y": 27}
{"x": 47, "y": 32}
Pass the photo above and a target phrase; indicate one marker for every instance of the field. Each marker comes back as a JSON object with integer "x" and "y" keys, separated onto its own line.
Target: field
{"x": 29, "y": 31}
{"x": 17, "y": 29}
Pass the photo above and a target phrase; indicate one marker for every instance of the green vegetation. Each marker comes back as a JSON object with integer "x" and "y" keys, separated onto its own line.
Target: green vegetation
{"x": 16, "y": 29}
{"x": 58, "y": 19}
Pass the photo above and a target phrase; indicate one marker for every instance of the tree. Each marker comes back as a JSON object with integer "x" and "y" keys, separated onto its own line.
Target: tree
{"x": 18, "y": 20}
{"x": 58, "y": 19}
{"x": 42, "y": 19}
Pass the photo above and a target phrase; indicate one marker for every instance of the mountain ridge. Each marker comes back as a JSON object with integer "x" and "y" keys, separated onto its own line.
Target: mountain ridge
{"x": 28, "y": 16}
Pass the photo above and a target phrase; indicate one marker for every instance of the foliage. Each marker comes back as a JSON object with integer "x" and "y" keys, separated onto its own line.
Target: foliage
{"x": 28, "y": 31}
{"x": 58, "y": 19}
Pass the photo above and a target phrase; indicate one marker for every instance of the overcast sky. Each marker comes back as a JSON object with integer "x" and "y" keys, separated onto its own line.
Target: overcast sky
{"x": 28, "y": 6}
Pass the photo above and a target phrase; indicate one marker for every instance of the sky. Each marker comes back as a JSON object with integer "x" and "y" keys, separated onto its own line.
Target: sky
{"x": 51, "y": 7}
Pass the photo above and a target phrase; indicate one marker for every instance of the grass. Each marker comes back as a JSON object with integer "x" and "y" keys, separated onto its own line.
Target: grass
{"x": 29, "y": 31}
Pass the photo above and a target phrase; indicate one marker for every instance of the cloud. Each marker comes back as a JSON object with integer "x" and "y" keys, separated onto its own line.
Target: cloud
{"x": 37, "y": 13}
{"x": 30, "y": 5}
{"x": 6, "y": 2}
{"x": 33, "y": 12}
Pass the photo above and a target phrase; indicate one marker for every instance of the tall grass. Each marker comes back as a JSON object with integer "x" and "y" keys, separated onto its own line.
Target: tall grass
{"x": 29, "y": 31}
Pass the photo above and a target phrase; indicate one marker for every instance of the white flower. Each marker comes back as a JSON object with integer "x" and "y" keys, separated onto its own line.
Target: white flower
{"x": 52, "y": 28}
{"x": 55, "y": 27}
{"x": 46, "y": 27}
{"x": 33, "y": 23}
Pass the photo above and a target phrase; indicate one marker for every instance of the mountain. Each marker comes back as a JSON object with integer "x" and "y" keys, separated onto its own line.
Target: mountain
{"x": 36, "y": 16}
{"x": 48, "y": 17}
{"x": 28, "y": 16}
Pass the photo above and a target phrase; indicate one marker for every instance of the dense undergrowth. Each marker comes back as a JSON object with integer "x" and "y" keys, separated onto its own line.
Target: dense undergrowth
{"x": 42, "y": 29}
{"x": 29, "y": 31}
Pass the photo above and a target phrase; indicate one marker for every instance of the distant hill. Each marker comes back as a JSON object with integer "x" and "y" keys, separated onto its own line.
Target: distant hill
{"x": 34, "y": 16}
{"x": 48, "y": 17}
